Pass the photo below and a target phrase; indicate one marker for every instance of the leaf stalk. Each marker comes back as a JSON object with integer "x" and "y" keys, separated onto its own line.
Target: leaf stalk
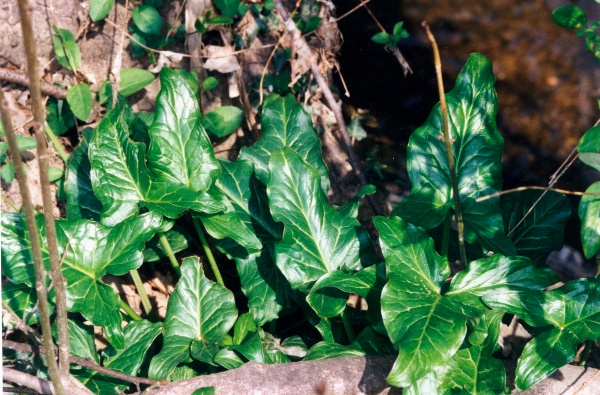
{"x": 208, "y": 252}
{"x": 165, "y": 243}
{"x": 137, "y": 280}
{"x": 129, "y": 311}
{"x": 449, "y": 151}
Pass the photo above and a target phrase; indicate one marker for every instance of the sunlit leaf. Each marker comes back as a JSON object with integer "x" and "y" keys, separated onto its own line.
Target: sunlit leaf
{"x": 199, "y": 310}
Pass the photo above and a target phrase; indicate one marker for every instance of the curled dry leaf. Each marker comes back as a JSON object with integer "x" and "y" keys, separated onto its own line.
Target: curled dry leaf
{"x": 220, "y": 58}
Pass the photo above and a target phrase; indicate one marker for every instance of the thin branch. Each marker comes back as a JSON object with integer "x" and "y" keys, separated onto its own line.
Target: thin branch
{"x": 335, "y": 106}
{"x": 17, "y": 77}
{"x": 519, "y": 189}
{"x": 86, "y": 363}
{"x": 40, "y": 270}
{"x": 27, "y": 380}
{"x": 449, "y": 151}
{"x": 364, "y": 3}
{"x": 39, "y": 115}
{"x": 395, "y": 51}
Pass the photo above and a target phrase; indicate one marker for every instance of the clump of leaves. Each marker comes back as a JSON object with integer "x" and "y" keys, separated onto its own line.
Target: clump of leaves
{"x": 295, "y": 253}
{"x": 391, "y": 40}
{"x": 573, "y": 17}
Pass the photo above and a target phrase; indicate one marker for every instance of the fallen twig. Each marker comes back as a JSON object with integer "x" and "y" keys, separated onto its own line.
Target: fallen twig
{"x": 86, "y": 363}
{"x": 16, "y": 77}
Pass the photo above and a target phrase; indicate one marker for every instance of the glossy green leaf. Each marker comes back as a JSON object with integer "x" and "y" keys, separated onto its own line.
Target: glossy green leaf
{"x": 81, "y": 340}
{"x": 324, "y": 350}
{"x": 542, "y": 230}
{"x": 99, "y": 9}
{"x": 477, "y": 149}
{"x": 180, "y": 150}
{"x": 222, "y": 121}
{"x": 350, "y": 208}
{"x": 572, "y": 310}
{"x": 198, "y": 310}
{"x": 589, "y": 214}
{"x": 316, "y": 239}
{"x": 570, "y": 17}
{"x": 133, "y": 80}
{"x": 498, "y": 274}
{"x": 243, "y": 325}
{"x": 589, "y": 148}
{"x": 381, "y": 38}
{"x": 229, "y": 225}
{"x": 79, "y": 98}
{"x": 65, "y": 48}
{"x": 286, "y": 124}
{"x": 227, "y": 7}
{"x": 191, "y": 78}
{"x": 22, "y": 299}
{"x": 205, "y": 391}
{"x": 472, "y": 370}
{"x": 228, "y": 359}
{"x": 117, "y": 167}
{"x": 329, "y": 294}
{"x": 264, "y": 285}
{"x": 121, "y": 180}
{"x": 147, "y": 19}
{"x": 139, "y": 335}
{"x": 100, "y": 250}
{"x": 267, "y": 290}
{"x": 16, "y": 249}
{"x": 93, "y": 250}
{"x": 249, "y": 199}
{"x": 409, "y": 251}
{"x": 81, "y": 201}
{"x": 425, "y": 326}
{"x": 59, "y": 116}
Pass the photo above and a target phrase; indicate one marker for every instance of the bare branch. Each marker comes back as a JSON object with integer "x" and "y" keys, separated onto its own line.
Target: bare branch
{"x": 16, "y": 77}
{"x": 39, "y": 116}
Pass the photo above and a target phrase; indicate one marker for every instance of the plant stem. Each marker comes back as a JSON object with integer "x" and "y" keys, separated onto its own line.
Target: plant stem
{"x": 40, "y": 271}
{"x": 135, "y": 275}
{"x": 39, "y": 117}
{"x": 449, "y": 151}
{"x": 446, "y": 235}
{"x": 57, "y": 145}
{"x": 130, "y": 312}
{"x": 586, "y": 352}
{"x": 165, "y": 243}
{"x": 208, "y": 252}
{"x": 348, "y": 325}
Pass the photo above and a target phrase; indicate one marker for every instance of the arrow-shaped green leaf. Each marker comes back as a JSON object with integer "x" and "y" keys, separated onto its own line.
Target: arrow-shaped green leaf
{"x": 92, "y": 251}
{"x": 180, "y": 151}
{"x": 200, "y": 311}
{"x": 542, "y": 230}
{"x": 498, "y": 274}
{"x": 286, "y": 124}
{"x": 477, "y": 149}
{"x": 574, "y": 312}
{"x": 425, "y": 326}
{"x": 316, "y": 238}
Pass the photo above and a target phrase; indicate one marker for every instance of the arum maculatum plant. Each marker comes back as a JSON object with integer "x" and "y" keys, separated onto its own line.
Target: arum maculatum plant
{"x": 135, "y": 198}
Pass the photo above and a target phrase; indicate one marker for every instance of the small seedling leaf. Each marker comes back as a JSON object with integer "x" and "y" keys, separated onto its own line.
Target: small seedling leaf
{"x": 570, "y": 17}
{"x": 222, "y": 121}
{"x": 79, "y": 98}
{"x": 133, "y": 80}
{"x": 147, "y": 19}
{"x": 99, "y": 9}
